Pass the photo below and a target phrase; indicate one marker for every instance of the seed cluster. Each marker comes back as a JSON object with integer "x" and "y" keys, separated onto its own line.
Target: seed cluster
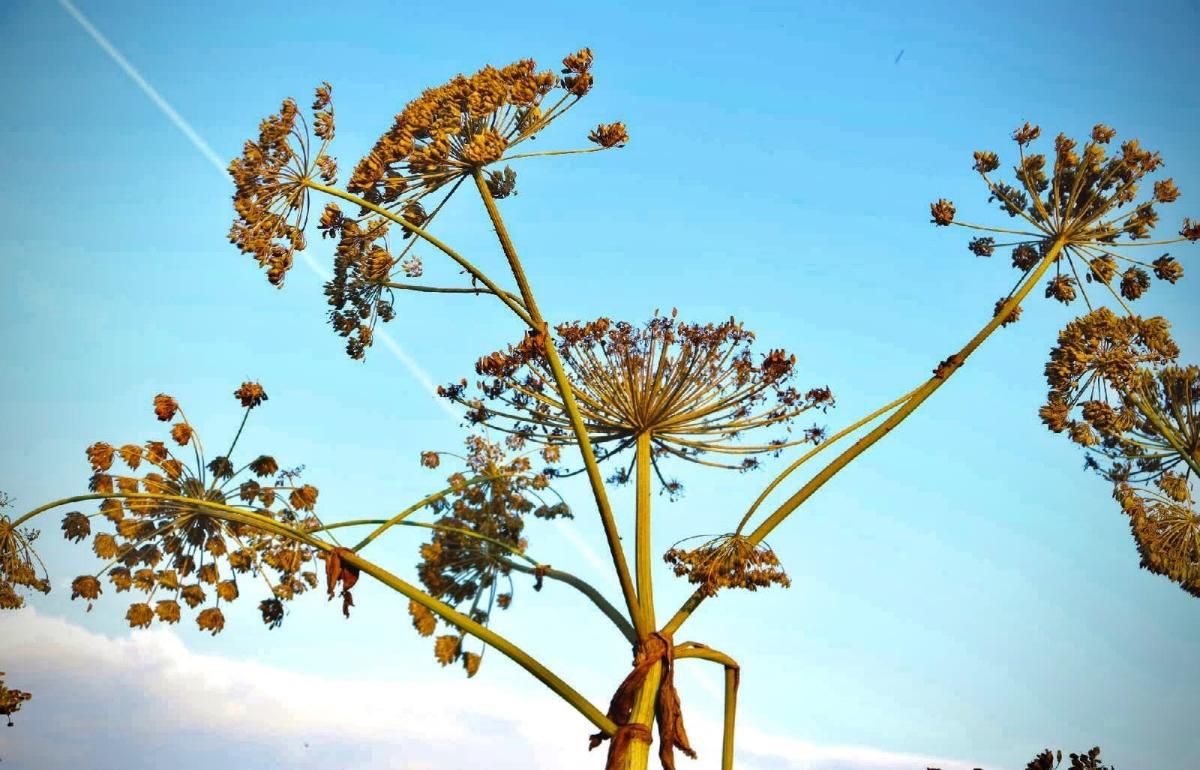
{"x": 437, "y": 140}
{"x": 19, "y": 563}
{"x": 1089, "y": 201}
{"x": 695, "y": 389}
{"x": 1138, "y": 418}
{"x": 458, "y": 566}
{"x": 179, "y": 552}
{"x": 271, "y": 197}
{"x": 11, "y": 700}
{"x": 728, "y": 561}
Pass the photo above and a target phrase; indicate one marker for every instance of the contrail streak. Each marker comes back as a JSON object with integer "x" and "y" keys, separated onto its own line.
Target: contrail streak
{"x": 133, "y": 74}
{"x": 207, "y": 151}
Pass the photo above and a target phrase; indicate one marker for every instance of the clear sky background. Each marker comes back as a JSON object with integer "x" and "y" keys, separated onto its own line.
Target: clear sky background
{"x": 963, "y": 594}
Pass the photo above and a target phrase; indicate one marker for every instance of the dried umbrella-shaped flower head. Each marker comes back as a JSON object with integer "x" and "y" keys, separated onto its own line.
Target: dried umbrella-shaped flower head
{"x": 693, "y": 389}
{"x": 1166, "y": 527}
{"x": 272, "y": 194}
{"x": 19, "y": 563}
{"x": 175, "y": 551}
{"x": 476, "y": 535}
{"x": 445, "y": 135}
{"x": 1086, "y": 199}
{"x": 468, "y": 124}
{"x": 11, "y": 700}
{"x": 1138, "y": 412}
{"x": 1114, "y": 372}
{"x": 728, "y": 561}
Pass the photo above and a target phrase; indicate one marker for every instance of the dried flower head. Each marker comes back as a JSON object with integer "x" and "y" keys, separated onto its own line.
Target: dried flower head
{"x": 728, "y": 561}
{"x": 693, "y": 388}
{"x": 445, "y": 135}
{"x": 466, "y": 124}
{"x": 1086, "y": 200}
{"x": 19, "y": 563}
{"x": 251, "y": 394}
{"x": 1166, "y": 529}
{"x": 1135, "y": 407}
{"x": 175, "y": 551}
{"x": 1138, "y": 416}
{"x": 479, "y": 530}
{"x": 271, "y": 177}
{"x": 11, "y": 700}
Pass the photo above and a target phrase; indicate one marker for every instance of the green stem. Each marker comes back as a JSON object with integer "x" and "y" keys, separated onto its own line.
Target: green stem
{"x": 732, "y": 679}
{"x": 611, "y": 612}
{"x": 568, "y": 396}
{"x": 815, "y": 450}
{"x": 860, "y": 446}
{"x": 424, "y": 501}
{"x": 645, "y": 584}
{"x": 638, "y": 755}
{"x": 510, "y": 251}
{"x": 433, "y": 240}
{"x": 549, "y": 153}
{"x": 489, "y": 637}
{"x": 445, "y": 289}
{"x": 442, "y": 610}
{"x": 220, "y": 511}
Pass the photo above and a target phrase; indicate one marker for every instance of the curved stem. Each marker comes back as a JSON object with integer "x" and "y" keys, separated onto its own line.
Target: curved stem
{"x": 944, "y": 372}
{"x": 549, "y": 153}
{"x": 442, "y": 610}
{"x": 424, "y": 501}
{"x": 812, "y": 452}
{"x": 510, "y": 251}
{"x": 225, "y": 512}
{"x": 446, "y": 289}
{"x": 489, "y": 637}
{"x": 733, "y": 675}
{"x": 433, "y": 240}
{"x": 587, "y": 589}
{"x": 538, "y": 324}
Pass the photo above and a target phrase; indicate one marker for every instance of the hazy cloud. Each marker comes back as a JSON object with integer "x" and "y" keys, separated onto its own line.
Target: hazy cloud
{"x": 146, "y": 701}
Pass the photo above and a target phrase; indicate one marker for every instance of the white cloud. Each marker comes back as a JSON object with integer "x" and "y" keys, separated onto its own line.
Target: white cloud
{"x": 146, "y": 701}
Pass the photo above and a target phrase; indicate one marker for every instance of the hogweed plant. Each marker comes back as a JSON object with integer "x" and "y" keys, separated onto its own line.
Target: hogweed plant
{"x": 181, "y": 527}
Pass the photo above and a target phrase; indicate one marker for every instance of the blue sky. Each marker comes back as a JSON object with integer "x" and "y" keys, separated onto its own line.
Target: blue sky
{"x": 963, "y": 591}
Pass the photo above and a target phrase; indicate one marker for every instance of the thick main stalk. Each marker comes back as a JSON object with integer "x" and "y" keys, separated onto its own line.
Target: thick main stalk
{"x": 564, "y": 386}
{"x": 645, "y": 582}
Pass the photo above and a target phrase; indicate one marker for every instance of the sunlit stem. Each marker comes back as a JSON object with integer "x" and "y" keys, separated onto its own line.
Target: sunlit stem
{"x": 732, "y": 679}
{"x": 538, "y": 324}
{"x": 445, "y": 289}
{"x": 424, "y": 501}
{"x": 645, "y": 582}
{"x": 549, "y": 153}
{"x": 219, "y": 511}
{"x": 813, "y": 452}
{"x": 489, "y": 637}
{"x": 442, "y": 610}
{"x": 433, "y": 240}
{"x": 638, "y": 755}
{"x": 860, "y": 446}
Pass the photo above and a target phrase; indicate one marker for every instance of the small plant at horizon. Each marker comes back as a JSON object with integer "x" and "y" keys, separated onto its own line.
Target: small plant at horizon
{"x": 574, "y": 395}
